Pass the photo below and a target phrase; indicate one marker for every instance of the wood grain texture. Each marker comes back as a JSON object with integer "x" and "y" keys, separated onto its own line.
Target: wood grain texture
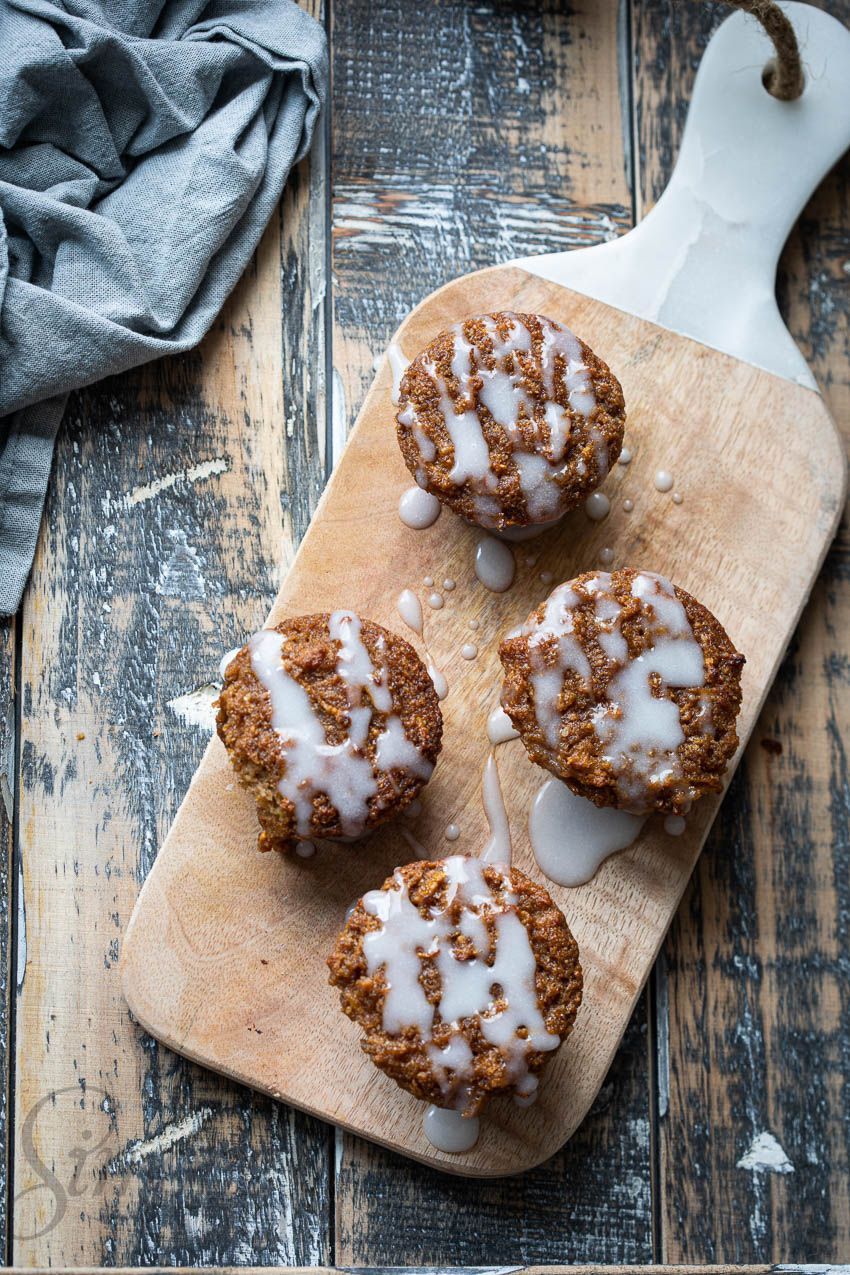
{"x": 192, "y": 974}
{"x": 173, "y": 502}
{"x": 512, "y": 137}
{"x": 755, "y": 972}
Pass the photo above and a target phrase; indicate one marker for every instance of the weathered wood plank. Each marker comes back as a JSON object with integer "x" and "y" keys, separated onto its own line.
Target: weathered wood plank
{"x": 491, "y": 133}
{"x": 756, "y": 1046}
{"x": 8, "y": 897}
{"x": 177, "y": 496}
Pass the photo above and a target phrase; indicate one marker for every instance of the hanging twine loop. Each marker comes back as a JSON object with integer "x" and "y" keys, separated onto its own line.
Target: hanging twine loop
{"x": 783, "y": 76}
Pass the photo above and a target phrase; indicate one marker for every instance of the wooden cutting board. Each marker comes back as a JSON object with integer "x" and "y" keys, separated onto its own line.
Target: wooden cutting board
{"x": 223, "y": 959}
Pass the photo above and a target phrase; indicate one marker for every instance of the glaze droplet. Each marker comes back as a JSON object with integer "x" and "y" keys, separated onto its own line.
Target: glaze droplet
{"x": 435, "y": 600}
{"x": 449, "y": 1131}
{"x": 663, "y": 480}
{"x": 674, "y": 825}
{"x": 418, "y": 509}
{"x": 628, "y": 505}
{"x": 500, "y": 728}
{"x": 441, "y": 686}
{"x": 428, "y": 581}
{"x": 398, "y": 366}
{"x": 546, "y": 577}
{"x": 571, "y": 837}
{"x": 469, "y": 651}
{"x": 625, "y": 457}
{"x": 474, "y": 625}
{"x": 597, "y": 506}
{"x": 494, "y": 564}
{"x": 606, "y": 557}
{"x": 305, "y": 849}
{"x": 414, "y": 810}
{"x": 677, "y": 498}
{"x": 452, "y": 832}
{"x": 410, "y": 609}
{"x": 448, "y": 585}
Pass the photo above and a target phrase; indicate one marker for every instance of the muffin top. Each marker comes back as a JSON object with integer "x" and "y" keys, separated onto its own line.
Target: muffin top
{"x": 626, "y": 688}
{"x": 463, "y": 976}
{"x": 509, "y": 419}
{"x": 332, "y": 722}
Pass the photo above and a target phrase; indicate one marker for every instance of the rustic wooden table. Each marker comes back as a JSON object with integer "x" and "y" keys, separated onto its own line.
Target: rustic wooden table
{"x": 460, "y": 134}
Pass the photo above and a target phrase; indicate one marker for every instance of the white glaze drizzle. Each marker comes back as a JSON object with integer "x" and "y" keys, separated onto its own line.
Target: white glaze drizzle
{"x": 539, "y": 444}
{"x": 495, "y": 565}
{"x": 418, "y": 509}
{"x": 500, "y": 728}
{"x": 450, "y": 1131}
{"x": 441, "y": 685}
{"x": 571, "y": 837}
{"x": 343, "y": 772}
{"x": 498, "y": 849}
{"x": 410, "y": 609}
{"x": 639, "y": 732}
{"x": 405, "y": 938}
{"x": 597, "y": 506}
{"x": 228, "y": 659}
{"x": 398, "y": 366}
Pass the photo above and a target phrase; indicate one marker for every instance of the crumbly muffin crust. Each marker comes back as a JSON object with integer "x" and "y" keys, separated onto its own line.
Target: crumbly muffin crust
{"x": 408, "y": 1058}
{"x": 311, "y": 657}
{"x": 561, "y": 718}
{"x": 542, "y": 417}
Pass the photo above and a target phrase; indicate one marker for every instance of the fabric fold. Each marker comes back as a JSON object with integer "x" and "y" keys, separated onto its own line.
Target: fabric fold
{"x": 143, "y": 149}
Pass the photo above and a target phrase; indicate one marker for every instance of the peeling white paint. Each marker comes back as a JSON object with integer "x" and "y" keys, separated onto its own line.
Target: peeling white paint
{"x": 136, "y": 1152}
{"x": 181, "y": 576}
{"x": 765, "y": 1155}
{"x": 206, "y": 469}
{"x": 195, "y": 708}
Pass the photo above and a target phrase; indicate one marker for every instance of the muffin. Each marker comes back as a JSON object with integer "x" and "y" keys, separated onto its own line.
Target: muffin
{"x": 463, "y": 976}
{"x": 332, "y": 723}
{"x": 627, "y": 688}
{"x": 509, "y": 419}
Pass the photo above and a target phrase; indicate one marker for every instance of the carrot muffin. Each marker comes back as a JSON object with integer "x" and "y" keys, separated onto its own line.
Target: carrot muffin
{"x": 333, "y": 724}
{"x": 627, "y": 688}
{"x": 463, "y": 976}
{"x": 509, "y": 419}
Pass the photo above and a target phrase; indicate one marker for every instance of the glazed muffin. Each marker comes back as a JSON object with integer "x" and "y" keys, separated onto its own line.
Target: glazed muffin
{"x": 463, "y": 977}
{"x": 509, "y": 419}
{"x": 332, "y": 723}
{"x": 627, "y": 688}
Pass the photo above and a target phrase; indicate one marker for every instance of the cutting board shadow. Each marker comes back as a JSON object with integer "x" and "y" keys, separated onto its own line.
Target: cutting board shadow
{"x": 224, "y": 958}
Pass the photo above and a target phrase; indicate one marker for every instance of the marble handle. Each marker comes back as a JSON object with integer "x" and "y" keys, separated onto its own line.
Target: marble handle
{"x": 703, "y": 261}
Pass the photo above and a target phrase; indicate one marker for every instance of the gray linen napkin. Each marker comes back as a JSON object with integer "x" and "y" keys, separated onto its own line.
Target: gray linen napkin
{"x": 143, "y": 147}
